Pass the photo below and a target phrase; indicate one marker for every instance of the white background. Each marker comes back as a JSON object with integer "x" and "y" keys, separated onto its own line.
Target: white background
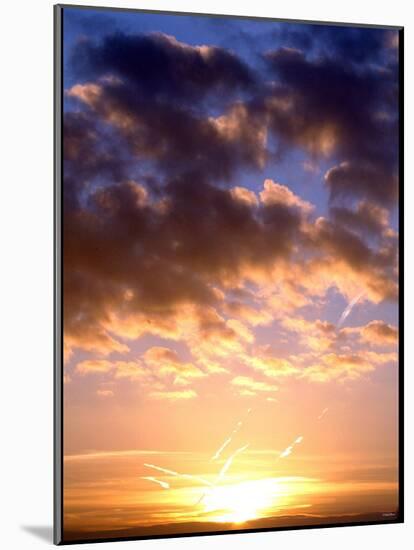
{"x": 26, "y": 273}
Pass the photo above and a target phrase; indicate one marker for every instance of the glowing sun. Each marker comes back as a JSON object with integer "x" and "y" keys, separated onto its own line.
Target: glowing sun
{"x": 236, "y": 503}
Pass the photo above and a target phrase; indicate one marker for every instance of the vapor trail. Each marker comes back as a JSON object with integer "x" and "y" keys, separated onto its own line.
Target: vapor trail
{"x": 289, "y": 449}
{"x": 286, "y": 452}
{"x": 163, "y": 484}
{"x": 221, "y": 449}
{"x": 239, "y": 424}
{"x": 176, "y": 474}
{"x": 229, "y": 461}
{"x": 323, "y": 413}
{"x": 349, "y": 308}
{"x": 223, "y": 470}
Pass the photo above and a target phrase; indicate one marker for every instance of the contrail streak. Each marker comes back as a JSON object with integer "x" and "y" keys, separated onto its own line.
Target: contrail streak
{"x": 349, "y": 308}
{"x": 286, "y": 452}
{"x": 155, "y": 480}
{"x": 176, "y": 474}
{"x": 229, "y": 461}
{"x": 219, "y": 451}
{"x": 323, "y": 413}
{"x": 289, "y": 449}
{"x": 223, "y": 470}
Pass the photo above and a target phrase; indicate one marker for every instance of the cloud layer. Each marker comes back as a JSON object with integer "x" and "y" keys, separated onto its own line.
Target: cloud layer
{"x": 163, "y": 237}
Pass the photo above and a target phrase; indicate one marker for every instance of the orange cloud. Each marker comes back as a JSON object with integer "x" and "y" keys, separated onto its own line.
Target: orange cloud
{"x": 316, "y": 335}
{"x": 105, "y": 393}
{"x": 173, "y": 395}
{"x": 238, "y": 125}
{"x": 342, "y": 367}
{"x": 164, "y": 361}
{"x": 95, "y": 339}
{"x": 250, "y": 386}
{"x": 275, "y": 193}
{"x": 266, "y": 361}
{"x": 88, "y": 93}
{"x": 377, "y": 333}
{"x": 94, "y": 366}
{"x": 181, "y": 289}
{"x": 337, "y": 367}
{"x": 367, "y": 217}
{"x": 245, "y": 195}
{"x": 131, "y": 370}
{"x": 254, "y": 316}
{"x": 119, "y": 369}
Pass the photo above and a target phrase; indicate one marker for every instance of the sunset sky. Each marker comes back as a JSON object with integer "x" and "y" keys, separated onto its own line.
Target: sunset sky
{"x": 230, "y": 272}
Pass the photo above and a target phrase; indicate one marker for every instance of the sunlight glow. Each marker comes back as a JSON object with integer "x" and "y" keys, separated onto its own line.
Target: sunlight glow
{"x": 243, "y": 501}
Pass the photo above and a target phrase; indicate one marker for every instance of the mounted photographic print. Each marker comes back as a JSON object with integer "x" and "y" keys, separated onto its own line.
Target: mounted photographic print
{"x": 227, "y": 291}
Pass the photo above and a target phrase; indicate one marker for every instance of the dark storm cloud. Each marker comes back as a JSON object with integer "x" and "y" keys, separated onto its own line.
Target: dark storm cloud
{"x": 352, "y": 44}
{"x": 175, "y": 137}
{"x": 344, "y": 44}
{"x": 160, "y": 66}
{"x": 364, "y": 180}
{"x": 341, "y": 243}
{"x": 152, "y": 89}
{"x": 374, "y": 265}
{"x": 166, "y": 254}
{"x": 367, "y": 218}
{"x": 342, "y": 112}
{"x": 127, "y": 253}
{"x": 89, "y": 151}
{"x": 327, "y": 94}
{"x": 134, "y": 248}
{"x": 349, "y": 45}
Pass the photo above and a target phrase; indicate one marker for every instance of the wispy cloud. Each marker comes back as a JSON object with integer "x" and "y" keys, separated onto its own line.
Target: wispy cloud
{"x": 119, "y": 454}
